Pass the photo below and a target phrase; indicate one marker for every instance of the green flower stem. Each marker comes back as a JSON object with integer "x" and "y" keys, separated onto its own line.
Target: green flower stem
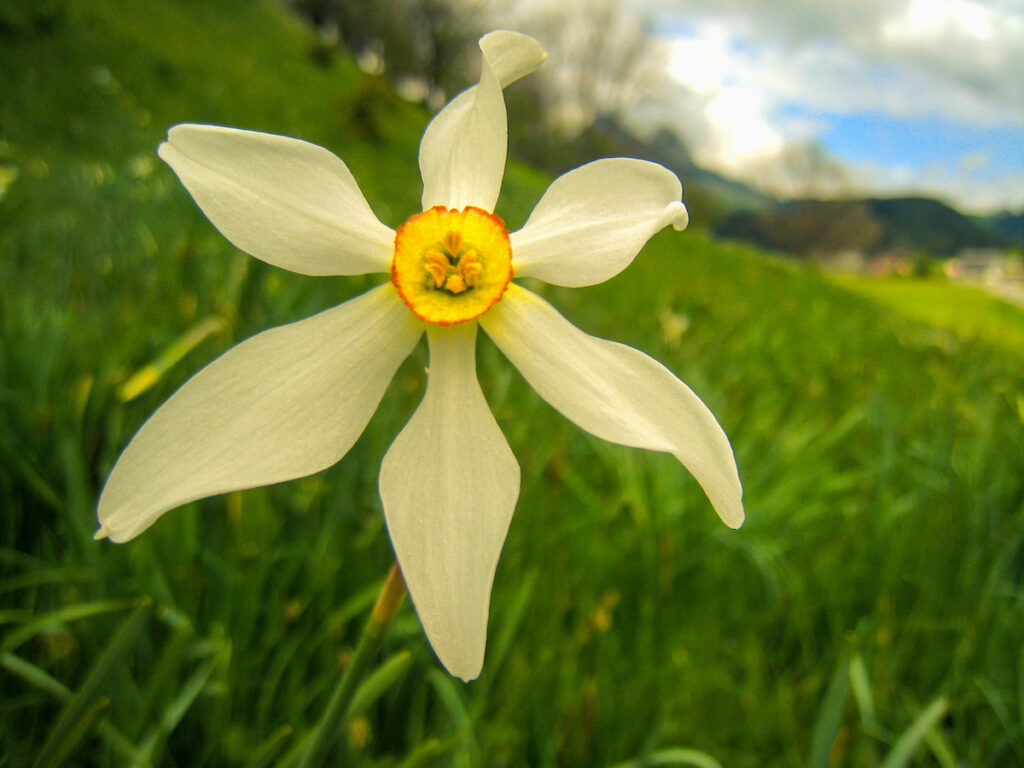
{"x": 388, "y": 602}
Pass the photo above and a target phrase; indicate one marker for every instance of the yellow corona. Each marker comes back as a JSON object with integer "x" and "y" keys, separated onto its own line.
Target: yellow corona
{"x": 451, "y": 266}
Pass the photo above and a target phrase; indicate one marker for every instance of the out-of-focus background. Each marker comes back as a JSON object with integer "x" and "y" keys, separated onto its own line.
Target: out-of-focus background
{"x": 847, "y": 301}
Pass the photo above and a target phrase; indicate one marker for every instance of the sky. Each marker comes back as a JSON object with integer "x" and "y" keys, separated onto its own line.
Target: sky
{"x": 810, "y": 97}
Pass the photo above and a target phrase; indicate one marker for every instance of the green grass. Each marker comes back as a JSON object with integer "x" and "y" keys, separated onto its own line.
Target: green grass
{"x": 968, "y": 312}
{"x": 870, "y": 612}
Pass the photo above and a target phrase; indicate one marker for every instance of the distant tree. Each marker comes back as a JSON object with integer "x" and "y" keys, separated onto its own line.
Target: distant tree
{"x": 426, "y": 40}
{"x": 603, "y": 63}
{"x": 810, "y": 227}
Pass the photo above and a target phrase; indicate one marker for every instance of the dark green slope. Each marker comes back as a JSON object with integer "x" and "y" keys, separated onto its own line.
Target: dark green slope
{"x": 871, "y": 225}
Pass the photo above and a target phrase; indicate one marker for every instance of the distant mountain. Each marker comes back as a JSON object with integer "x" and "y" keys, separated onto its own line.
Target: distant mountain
{"x": 869, "y": 225}
{"x": 1009, "y": 226}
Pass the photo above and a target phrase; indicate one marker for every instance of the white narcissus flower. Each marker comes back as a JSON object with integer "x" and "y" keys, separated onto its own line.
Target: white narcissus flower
{"x": 292, "y": 400}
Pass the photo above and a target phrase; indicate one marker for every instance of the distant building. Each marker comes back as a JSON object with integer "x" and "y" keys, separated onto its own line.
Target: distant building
{"x": 849, "y": 262}
{"x": 895, "y": 262}
{"x": 991, "y": 268}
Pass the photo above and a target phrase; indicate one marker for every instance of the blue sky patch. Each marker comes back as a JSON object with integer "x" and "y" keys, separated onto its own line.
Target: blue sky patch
{"x": 920, "y": 142}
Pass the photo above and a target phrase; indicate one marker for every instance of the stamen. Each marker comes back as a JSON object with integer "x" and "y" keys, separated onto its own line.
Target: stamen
{"x": 437, "y": 266}
{"x": 470, "y": 267}
{"x": 453, "y": 242}
{"x": 455, "y": 284}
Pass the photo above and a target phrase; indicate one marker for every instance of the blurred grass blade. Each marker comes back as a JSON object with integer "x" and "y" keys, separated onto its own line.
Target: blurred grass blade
{"x": 56, "y": 575}
{"x": 67, "y": 731}
{"x": 299, "y": 748}
{"x": 59, "y": 617}
{"x": 425, "y": 753}
{"x": 1020, "y": 686}
{"x": 468, "y": 751}
{"x": 911, "y": 738}
{"x": 263, "y": 755}
{"x": 38, "y": 678}
{"x": 162, "y": 673}
{"x": 175, "y": 711}
{"x": 511, "y": 620}
{"x": 15, "y": 459}
{"x": 941, "y": 749}
{"x": 377, "y": 684}
{"x": 34, "y": 676}
{"x": 355, "y": 606}
{"x": 389, "y": 600}
{"x": 830, "y": 717}
{"x": 78, "y": 730}
{"x": 861, "y": 685}
{"x": 673, "y": 757}
{"x": 498, "y": 650}
{"x": 151, "y": 373}
{"x": 81, "y": 498}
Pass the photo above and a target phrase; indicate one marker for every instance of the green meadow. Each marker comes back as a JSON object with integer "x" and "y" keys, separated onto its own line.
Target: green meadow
{"x": 869, "y": 613}
{"x": 965, "y": 311}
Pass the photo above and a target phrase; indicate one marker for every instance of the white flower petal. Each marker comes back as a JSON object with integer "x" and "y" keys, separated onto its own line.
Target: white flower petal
{"x": 512, "y": 55}
{"x": 616, "y": 393}
{"x": 462, "y": 154}
{"x": 285, "y": 403}
{"x": 591, "y": 222}
{"x": 285, "y": 201}
{"x": 449, "y": 484}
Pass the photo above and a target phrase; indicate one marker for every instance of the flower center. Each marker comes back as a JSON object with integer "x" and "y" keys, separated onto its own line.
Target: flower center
{"x": 451, "y": 266}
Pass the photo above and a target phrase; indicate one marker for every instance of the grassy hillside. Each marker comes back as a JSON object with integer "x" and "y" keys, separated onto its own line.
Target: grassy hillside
{"x": 969, "y": 314}
{"x": 870, "y": 613}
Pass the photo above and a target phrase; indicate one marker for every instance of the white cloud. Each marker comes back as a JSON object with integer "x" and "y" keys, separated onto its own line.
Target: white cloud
{"x": 744, "y": 132}
{"x": 699, "y": 62}
{"x": 745, "y": 62}
{"x": 724, "y": 101}
{"x": 927, "y": 20}
{"x": 933, "y": 50}
{"x": 974, "y": 161}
